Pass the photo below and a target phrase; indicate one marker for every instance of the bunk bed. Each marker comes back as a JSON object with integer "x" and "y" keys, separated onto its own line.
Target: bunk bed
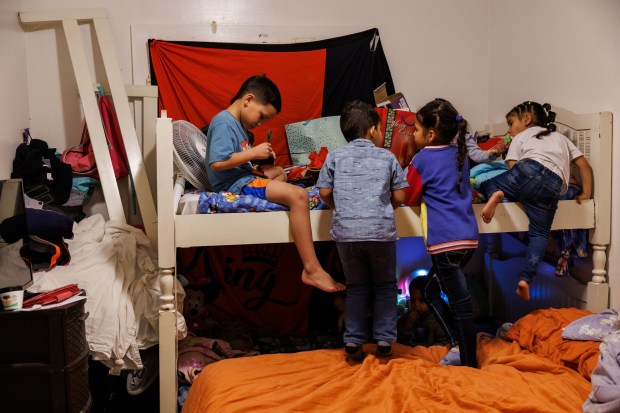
{"x": 590, "y": 132}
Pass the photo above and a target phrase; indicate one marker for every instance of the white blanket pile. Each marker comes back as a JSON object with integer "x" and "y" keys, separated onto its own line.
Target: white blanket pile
{"x": 116, "y": 266}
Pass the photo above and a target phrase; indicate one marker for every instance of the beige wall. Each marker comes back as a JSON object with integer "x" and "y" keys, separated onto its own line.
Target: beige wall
{"x": 13, "y": 85}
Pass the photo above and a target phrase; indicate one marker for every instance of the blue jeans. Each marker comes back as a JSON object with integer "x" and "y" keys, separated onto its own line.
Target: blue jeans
{"x": 370, "y": 270}
{"x": 538, "y": 189}
{"x": 457, "y": 317}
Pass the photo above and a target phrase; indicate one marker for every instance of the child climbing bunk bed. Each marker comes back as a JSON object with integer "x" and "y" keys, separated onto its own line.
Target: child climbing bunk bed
{"x": 590, "y": 132}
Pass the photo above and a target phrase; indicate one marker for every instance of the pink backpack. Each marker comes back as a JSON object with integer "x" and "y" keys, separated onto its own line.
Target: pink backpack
{"x": 81, "y": 157}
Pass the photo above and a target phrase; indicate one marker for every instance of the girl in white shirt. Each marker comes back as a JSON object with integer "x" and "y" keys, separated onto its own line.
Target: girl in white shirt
{"x": 539, "y": 159}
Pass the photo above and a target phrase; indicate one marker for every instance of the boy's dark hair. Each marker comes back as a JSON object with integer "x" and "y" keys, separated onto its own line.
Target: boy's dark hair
{"x": 440, "y": 116}
{"x": 263, "y": 88}
{"x": 357, "y": 118}
{"x": 541, "y": 115}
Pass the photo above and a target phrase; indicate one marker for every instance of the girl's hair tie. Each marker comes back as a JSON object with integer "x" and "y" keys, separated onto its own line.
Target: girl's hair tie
{"x": 459, "y": 118}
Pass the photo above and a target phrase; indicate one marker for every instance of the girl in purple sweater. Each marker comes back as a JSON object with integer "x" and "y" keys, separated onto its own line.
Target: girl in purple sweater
{"x": 438, "y": 179}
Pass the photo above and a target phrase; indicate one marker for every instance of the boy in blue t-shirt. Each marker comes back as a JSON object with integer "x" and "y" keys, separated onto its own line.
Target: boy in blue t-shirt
{"x": 229, "y": 169}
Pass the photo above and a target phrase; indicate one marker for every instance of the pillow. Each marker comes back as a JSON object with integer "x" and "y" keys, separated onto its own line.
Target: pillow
{"x": 594, "y": 327}
{"x": 309, "y": 136}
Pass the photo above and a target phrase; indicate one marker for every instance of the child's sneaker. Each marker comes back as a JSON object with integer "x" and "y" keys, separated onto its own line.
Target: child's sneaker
{"x": 453, "y": 358}
{"x": 355, "y": 352}
{"x": 384, "y": 349}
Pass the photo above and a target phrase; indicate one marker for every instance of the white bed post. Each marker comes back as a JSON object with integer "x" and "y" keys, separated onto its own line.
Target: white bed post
{"x": 598, "y": 289}
{"x": 167, "y": 263}
{"x": 600, "y": 236}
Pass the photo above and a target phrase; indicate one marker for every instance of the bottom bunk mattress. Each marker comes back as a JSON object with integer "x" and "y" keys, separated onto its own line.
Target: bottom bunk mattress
{"x": 535, "y": 370}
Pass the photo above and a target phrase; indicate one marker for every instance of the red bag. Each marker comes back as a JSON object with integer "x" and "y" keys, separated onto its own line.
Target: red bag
{"x": 81, "y": 157}
{"x": 397, "y": 127}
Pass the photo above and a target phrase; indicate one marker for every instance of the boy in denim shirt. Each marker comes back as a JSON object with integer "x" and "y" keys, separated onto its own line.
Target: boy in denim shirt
{"x": 363, "y": 184}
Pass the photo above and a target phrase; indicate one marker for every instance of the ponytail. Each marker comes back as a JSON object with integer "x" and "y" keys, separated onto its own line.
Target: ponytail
{"x": 547, "y": 119}
{"x": 461, "y": 154}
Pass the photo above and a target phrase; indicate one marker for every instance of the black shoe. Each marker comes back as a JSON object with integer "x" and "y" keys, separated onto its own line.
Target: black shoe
{"x": 354, "y": 351}
{"x": 384, "y": 349}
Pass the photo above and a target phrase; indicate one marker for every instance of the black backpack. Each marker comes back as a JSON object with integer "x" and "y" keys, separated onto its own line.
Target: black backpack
{"x": 45, "y": 177}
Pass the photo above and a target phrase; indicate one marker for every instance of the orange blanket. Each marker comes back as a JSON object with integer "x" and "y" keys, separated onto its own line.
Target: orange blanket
{"x": 510, "y": 379}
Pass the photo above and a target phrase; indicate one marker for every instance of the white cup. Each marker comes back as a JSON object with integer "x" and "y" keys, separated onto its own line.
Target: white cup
{"x": 12, "y": 298}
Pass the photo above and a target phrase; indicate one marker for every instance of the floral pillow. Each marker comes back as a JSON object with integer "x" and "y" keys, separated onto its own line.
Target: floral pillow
{"x": 593, "y": 327}
{"x": 309, "y": 136}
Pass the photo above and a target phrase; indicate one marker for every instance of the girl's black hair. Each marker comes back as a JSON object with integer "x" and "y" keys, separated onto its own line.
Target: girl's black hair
{"x": 357, "y": 118}
{"x": 418, "y": 283}
{"x": 263, "y": 88}
{"x": 440, "y": 116}
{"x": 541, "y": 115}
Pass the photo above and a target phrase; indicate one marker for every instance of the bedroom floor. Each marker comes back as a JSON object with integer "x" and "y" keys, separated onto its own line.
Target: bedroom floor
{"x": 109, "y": 394}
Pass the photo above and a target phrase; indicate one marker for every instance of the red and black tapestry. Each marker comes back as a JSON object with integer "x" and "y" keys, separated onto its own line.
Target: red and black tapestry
{"x": 197, "y": 79}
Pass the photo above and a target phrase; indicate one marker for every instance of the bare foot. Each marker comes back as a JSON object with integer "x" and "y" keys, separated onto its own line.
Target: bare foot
{"x": 322, "y": 280}
{"x": 489, "y": 209}
{"x": 523, "y": 290}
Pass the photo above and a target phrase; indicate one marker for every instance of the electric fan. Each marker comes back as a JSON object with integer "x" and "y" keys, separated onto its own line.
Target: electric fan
{"x": 190, "y": 150}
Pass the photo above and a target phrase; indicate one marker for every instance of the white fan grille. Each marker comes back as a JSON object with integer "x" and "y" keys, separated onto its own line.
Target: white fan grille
{"x": 190, "y": 149}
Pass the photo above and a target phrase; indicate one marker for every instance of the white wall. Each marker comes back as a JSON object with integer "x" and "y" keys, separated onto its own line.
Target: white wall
{"x": 565, "y": 52}
{"x": 13, "y": 84}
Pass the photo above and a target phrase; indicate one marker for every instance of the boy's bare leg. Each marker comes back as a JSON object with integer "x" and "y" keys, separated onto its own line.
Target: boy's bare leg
{"x": 523, "y": 290}
{"x": 489, "y": 209}
{"x": 296, "y": 198}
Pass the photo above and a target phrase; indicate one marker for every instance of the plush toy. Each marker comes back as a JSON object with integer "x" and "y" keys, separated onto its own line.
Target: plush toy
{"x": 196, "y": 352}
{"x": 195, "y": 312}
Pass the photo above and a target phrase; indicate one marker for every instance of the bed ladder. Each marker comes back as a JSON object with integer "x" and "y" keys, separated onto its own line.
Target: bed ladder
{"x": 69, "y": 21}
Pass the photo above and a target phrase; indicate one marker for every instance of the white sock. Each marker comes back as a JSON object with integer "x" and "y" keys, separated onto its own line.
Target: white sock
{"x": 453, "y": 358}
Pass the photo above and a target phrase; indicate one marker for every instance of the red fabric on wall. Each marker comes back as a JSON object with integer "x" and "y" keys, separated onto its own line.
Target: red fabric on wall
{"x": 196, "y": 83}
